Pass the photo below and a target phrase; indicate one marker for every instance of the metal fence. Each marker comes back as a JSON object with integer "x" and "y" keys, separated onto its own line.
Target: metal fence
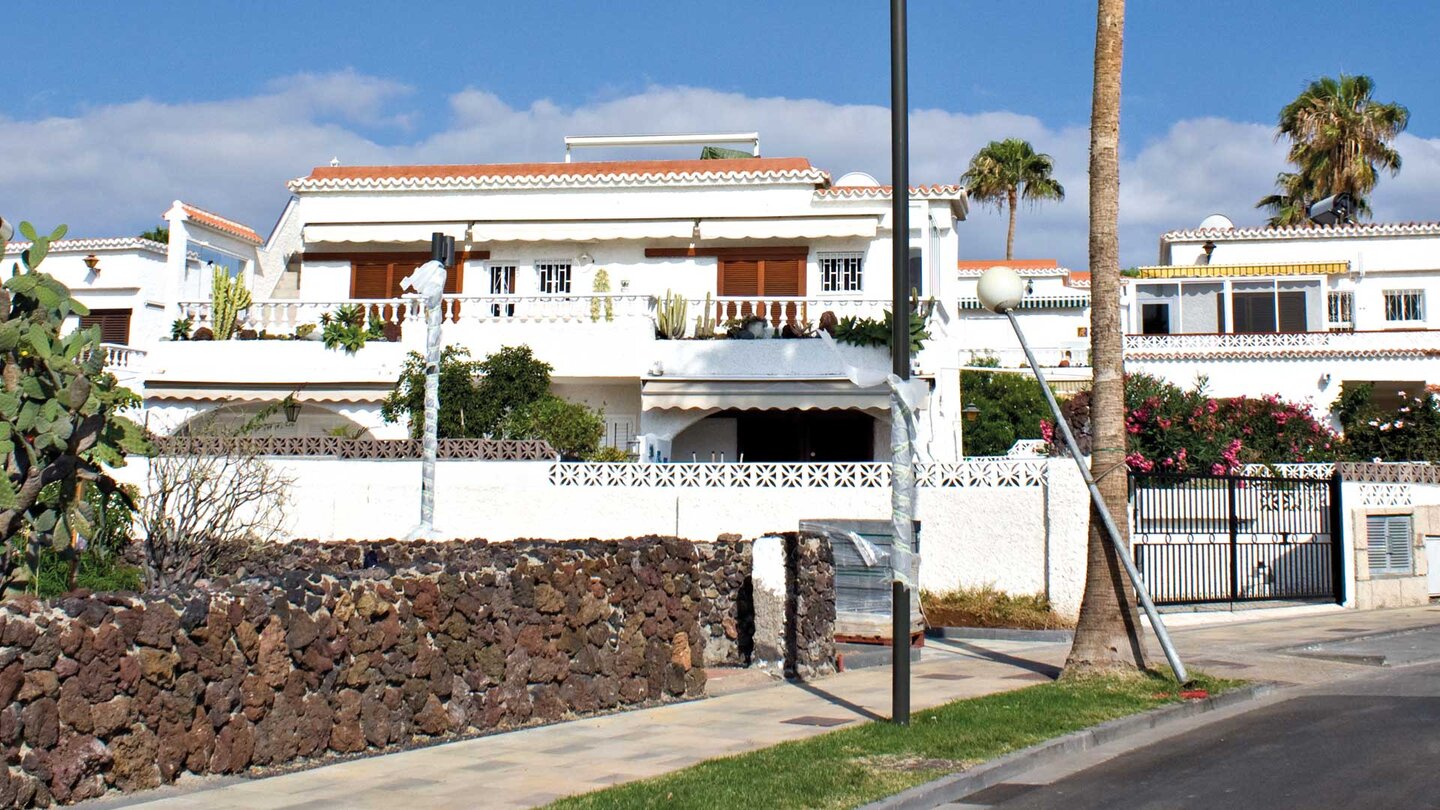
{"x": 1236, "y": 538}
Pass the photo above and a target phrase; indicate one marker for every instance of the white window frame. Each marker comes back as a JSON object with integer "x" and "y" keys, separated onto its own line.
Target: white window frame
{"x": 499, "y": 270}
{"x": 842, "y": 271}
{"x": 1408, "y": 305}
{"x": 548, "y": 272}
{"x": 1340, "y": 309}
{"x": 1390, "y": 544}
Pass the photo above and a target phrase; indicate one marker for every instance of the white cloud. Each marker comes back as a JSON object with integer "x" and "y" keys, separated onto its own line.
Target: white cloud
{"x": 112, "y": 169}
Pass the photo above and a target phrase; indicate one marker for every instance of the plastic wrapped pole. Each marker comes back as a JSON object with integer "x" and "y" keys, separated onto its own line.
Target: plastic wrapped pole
{"x": 429, "y": 281}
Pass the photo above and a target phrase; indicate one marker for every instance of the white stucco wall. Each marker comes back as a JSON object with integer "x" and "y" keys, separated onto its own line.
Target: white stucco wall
{"x": 1021, "y": 539}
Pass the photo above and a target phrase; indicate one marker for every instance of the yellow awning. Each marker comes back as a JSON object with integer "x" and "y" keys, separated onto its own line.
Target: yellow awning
{"x": 1233, "y": 270}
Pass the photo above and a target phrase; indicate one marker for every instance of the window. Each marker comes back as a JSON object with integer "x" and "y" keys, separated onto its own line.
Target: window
{"x": 841, "y": 272}
{"x": 917, "y": 273}
{"x": 1340, "y": 310}
{"x": 1389, "y": 540}
{"x": 114, "y": 324}
{"x": 1404, "y": 305}
{"x": 1155, "y": 319}
{"x": 502, "y": 282}
{"x": 554, "y": 276}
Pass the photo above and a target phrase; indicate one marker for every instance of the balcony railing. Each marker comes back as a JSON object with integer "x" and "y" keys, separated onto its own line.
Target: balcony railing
{"x": 1286, "y": 343}
{"x": 282, "y": 316}
{"x": 780, "y": 311}
{"x": 122, "y": 358}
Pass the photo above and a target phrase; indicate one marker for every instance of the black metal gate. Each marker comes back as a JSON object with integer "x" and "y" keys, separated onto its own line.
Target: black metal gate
{"x": 1232, "y": 538}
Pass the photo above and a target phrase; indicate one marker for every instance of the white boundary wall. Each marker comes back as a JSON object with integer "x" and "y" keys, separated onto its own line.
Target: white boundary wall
{"x": 1019, "y": 525}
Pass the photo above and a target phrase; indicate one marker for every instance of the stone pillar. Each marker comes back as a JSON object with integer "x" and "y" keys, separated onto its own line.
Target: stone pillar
{"x": 768, "y": 581}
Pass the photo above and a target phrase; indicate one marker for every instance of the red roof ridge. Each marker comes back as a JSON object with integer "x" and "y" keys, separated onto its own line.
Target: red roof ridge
{"x": 219, "y": 223}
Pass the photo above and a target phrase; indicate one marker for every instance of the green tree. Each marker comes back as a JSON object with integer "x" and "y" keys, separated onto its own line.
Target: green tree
{"x": 59, "y": 420}
{"x": 1012, "y": 407}
{"x": 1004, "y": 172}
{"x": 504, "y": 396}
{"x": 572, "y": 429}
{"x": 159, "y": 233}
{"x": 1408, "y": 432}
{"x": 460, "y": 405}
{"x": 1340, "y": 138}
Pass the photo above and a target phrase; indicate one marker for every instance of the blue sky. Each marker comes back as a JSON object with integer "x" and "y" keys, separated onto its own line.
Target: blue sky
{"x": 124, "y": 106}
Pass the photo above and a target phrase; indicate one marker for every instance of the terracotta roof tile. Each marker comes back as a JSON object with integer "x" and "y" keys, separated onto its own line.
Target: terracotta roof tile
{"x": 220, "y": 223}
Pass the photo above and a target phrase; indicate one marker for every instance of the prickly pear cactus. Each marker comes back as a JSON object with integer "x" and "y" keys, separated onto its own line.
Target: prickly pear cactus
{"x": 59, "y": 426}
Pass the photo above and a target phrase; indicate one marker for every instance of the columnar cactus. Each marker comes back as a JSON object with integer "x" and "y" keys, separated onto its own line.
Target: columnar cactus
{"x": 670, "y": 315}
{"x": 705, "y": 321}
{"x": 228, "y": 297}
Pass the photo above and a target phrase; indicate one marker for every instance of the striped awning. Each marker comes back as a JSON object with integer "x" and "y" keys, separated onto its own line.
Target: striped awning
{"x": 1235, "y": 270}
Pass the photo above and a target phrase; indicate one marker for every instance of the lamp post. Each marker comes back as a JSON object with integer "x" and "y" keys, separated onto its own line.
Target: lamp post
{"x": 1000, "y": 290}
{"x": 429, "y": 281}
{"x": 902, "y": 465}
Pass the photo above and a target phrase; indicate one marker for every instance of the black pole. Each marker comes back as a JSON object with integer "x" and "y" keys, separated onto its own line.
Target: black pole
{"x": 899, "y": 324}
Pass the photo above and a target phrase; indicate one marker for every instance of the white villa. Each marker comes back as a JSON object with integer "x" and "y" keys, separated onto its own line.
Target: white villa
{"x": 1298, "y": 312}
{"x": 574, "y": 259}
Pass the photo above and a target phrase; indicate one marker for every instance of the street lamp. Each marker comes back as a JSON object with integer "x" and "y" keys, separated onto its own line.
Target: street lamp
{"x": 7, "y": 230}
{"x": 971, "y": 413}
{"x": 1001, "y": 290}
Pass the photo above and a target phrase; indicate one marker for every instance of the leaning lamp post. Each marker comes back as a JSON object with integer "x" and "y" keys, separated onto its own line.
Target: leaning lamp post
{"x": 1001, "y": 290}
{"x": 428, "y": 281}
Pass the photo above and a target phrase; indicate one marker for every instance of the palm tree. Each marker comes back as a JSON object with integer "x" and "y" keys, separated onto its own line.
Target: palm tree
{"x": 1339, "y": 138}
{"x": 1005, "y": 171}
{"x": 1107, "y": 635}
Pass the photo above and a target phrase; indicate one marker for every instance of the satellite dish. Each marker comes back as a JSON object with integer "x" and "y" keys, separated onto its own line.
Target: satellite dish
{"x": 856, "y": 179}
{"x": 1217, "y": 222}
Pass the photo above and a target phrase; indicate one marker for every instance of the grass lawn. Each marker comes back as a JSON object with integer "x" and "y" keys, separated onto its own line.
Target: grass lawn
{"x": 853, "y": 766}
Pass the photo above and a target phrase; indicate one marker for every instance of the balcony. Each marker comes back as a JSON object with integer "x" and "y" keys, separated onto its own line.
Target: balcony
{"x": 1391, "y": 343}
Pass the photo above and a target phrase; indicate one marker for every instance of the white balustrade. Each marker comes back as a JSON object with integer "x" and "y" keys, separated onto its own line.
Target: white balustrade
{"x": 780, "y": 311}
{"x": 1283, "y": 343}
{"x": 560, "y": 308}
{"x": 119, "y": 357}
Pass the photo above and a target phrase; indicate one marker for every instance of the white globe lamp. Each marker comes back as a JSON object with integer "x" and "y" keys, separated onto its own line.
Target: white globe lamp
{"x": 7, "y": 231}
{"x": 1000, "y": 289}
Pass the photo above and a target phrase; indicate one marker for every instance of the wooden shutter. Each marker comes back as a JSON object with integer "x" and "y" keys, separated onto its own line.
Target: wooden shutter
{"x": 782, "y": 277}
{"x": 1292, "y": 311}
{"x": 370, "y": 279}
{"x": 739, "y": 277}
{"x": 114, "y": 324}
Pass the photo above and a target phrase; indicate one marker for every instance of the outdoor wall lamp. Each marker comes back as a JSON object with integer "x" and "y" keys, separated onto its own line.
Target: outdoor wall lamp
{"x": 93, "y": 262}
{"x": 971, "y": 412}
{"x": 291, "y": 406}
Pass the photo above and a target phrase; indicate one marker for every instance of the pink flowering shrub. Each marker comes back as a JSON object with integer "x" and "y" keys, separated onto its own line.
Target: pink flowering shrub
{"x": 1170, "y": 429}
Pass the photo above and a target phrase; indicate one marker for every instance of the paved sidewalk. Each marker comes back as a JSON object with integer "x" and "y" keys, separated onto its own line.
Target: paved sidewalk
{"x": 534, "y": 766}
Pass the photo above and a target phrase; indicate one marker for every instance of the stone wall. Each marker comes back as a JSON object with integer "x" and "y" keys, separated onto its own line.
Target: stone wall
{"x": 340, "y": 649}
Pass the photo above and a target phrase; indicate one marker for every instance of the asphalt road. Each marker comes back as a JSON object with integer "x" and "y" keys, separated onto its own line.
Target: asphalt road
{"x": 1371, "y": 742}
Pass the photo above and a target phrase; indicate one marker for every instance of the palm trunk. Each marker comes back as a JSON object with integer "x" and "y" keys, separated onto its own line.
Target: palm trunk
{"x": 1107, "y": 634}
{"x": 1010, "y": 236}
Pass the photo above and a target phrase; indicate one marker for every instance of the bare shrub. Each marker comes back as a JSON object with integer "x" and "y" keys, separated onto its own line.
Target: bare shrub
{"x": 210, "y": 499}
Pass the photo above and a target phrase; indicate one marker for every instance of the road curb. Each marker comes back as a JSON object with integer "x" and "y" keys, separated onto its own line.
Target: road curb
{"x": 959, "y": 785}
